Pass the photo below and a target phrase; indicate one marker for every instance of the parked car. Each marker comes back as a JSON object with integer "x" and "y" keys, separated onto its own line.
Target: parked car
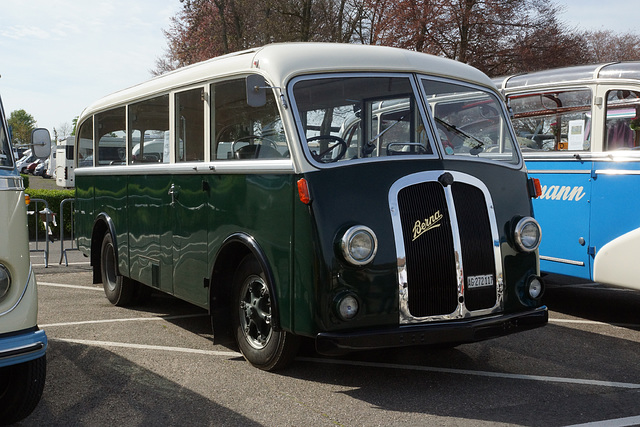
{"x": 32, "y": 166}
{"x": 41, "y": 169}
{"x": 25, "y": 161}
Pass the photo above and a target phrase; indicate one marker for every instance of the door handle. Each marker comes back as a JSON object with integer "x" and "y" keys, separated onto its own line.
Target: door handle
{"x": 174, "y": 190}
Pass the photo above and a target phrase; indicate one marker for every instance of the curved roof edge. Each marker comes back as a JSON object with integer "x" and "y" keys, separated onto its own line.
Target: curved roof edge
{"x": 281, "y": 61}
{"x": 580, "y": 73}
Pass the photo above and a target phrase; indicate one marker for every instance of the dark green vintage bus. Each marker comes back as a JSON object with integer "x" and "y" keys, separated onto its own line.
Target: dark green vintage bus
{"x": 361, "y": 196}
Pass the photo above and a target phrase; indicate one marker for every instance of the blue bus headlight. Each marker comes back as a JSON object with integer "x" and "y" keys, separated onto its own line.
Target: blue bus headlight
{"x": 527, "y": 234}
{"x": 5, "y": 281}
{"x": 359, "y": 245}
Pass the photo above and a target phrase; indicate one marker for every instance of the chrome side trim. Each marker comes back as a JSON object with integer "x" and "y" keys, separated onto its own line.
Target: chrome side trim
{"x": 8, "y": 183}
{"x": 617, "y": 172}
{"x": 563, "y": 171}
{"x": 561, "y": 260}
{"x": 221, "y": 167}
{"x": 461, "y": 311}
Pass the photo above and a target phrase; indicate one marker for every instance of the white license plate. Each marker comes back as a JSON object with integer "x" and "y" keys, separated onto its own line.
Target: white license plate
{"x": 479, "y": 281}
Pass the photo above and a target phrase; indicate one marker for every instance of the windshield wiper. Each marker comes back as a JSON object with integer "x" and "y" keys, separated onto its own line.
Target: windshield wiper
{"x": 474, "y": 150}
{"x": 370, "y": 146}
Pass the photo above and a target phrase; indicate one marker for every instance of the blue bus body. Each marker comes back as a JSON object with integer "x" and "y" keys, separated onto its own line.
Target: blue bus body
{"x": 579, "y": 132}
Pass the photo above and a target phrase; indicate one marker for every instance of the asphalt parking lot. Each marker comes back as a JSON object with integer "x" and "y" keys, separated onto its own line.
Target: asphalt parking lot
{"x": 157, "y": 365}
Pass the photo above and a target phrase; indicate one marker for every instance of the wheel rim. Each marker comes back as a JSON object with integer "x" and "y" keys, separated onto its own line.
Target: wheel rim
{"x": 109, "y": 267}
{"x": 255, "y": 312}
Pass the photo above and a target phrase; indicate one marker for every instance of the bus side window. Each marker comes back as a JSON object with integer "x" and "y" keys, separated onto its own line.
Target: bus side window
{"x": 623, "y": 120}
{"x": 553, "y": 121}
{"x": 110, "y": 133}
{"x": 85, "y": 144}
{"x": 148, "y": 125}
{"x": 241, "y": 131}
{"x": 190, "y": 125}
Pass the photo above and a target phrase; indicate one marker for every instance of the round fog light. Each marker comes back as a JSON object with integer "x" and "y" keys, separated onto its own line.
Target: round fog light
{"x": 5, "y": 281}
{"x": 348, "y": 307}
{"x": 535, "y": 288}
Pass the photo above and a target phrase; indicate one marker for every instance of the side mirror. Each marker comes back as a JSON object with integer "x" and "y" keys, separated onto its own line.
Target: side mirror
{"x": 41, "y": 143}
{"x": 256, "y": 90}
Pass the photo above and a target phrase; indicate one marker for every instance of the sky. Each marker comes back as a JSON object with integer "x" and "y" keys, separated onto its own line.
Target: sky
{"x": 59, "y": 56}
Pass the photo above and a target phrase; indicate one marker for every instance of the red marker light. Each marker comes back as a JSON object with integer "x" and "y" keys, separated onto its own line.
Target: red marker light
{"x": 303, "y": 191}
{"x": 535, "y": 189}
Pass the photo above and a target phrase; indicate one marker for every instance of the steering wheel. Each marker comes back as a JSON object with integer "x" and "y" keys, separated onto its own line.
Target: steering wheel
{"x": 338, "y": 141}
{"x": 250, "y": 139}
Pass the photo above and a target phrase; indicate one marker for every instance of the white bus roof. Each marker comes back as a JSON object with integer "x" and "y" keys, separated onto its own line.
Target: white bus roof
{"x": 281, "y": 61}
{"x": 572, "y": 75}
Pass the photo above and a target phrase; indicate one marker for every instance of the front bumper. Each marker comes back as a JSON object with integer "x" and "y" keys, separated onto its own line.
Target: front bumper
{"x": 449, "y": 332}
{"x": 22, "y": 347}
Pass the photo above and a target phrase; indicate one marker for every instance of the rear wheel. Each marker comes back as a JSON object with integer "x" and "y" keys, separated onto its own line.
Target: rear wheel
{"x": 21, "y": 389}
{"x": 119, "y": 290}
{"x": 260, "y": 344}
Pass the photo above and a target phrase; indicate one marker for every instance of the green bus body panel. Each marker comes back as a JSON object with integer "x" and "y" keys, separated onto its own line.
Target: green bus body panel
{"x": 171, "y": 246}
{"x": 343, "y": 197}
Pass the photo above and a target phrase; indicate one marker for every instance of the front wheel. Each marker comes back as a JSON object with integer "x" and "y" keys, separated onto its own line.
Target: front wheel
{"x": 260, "y": 344}
{"x": 21, "y": 389}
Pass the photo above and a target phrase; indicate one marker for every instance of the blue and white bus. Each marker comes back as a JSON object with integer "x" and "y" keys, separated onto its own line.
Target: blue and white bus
{"x": 579, "y": 131}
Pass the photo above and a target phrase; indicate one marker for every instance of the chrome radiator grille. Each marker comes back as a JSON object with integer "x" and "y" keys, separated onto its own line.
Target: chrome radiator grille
{"x": 447, "y": 238}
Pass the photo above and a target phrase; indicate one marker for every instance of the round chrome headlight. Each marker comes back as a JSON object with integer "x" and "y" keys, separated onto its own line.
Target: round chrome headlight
{"x": 359, "y": 245}
{"x": 5, "y": 281}
{"x": 527, "y": 234}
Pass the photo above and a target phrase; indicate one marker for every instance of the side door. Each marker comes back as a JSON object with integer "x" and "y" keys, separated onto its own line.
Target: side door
{"x": 189, "y": 199}
{"x": 563, "y": 211}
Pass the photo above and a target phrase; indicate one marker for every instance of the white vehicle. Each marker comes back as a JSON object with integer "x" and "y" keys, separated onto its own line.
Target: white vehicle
{"x": 22, "y": 344}
{"x": 24, "y": 161}
{"x": 64, "y": 163}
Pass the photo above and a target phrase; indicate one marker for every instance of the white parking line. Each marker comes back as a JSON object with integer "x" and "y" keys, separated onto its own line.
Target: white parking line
{"x": 148, "y": 347}
{"x": 87, "y": 263}
{"x": 594, "y": 322}
{"x": 476, "y": 373}
{"x": 618, "y": 422}
{"x": 130, "y": 319}
{"x": 60, "y": 285}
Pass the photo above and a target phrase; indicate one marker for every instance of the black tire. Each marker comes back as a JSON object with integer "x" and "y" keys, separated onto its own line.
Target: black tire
{"x": 119, "y": 290}
{"x": 259, "y": 343}
{"x": 21, "y": 389}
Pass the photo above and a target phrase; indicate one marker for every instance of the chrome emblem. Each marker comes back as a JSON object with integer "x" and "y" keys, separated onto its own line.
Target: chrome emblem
{"x": 421, "y": 227}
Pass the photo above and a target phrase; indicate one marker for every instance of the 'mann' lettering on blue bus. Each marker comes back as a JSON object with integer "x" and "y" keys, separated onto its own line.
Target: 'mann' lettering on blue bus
{"x": 562, "y": 193}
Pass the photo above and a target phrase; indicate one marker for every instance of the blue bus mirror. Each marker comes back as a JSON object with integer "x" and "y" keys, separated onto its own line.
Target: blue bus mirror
{"x": 256, "y": 90}
{"x": 41, "y": 143}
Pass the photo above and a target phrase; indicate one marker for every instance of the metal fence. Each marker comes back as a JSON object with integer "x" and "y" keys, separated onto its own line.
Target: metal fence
{"x": 42, "y": 215}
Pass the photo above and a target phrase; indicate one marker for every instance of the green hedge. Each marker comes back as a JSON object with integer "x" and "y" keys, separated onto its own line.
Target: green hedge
{"x": 53, "y": 198}
{"x": 25, "y": 179}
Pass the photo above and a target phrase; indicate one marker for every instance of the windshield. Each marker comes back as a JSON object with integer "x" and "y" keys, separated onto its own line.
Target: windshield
{"x": 348, "y": 118}
{"x": 6, "y": 159}
{"x": 470, "y": 122}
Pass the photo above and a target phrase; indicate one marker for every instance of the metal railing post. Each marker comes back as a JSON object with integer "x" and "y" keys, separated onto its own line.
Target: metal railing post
{"x": 63, "y": 251}
{"x": 45, "y": 216}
